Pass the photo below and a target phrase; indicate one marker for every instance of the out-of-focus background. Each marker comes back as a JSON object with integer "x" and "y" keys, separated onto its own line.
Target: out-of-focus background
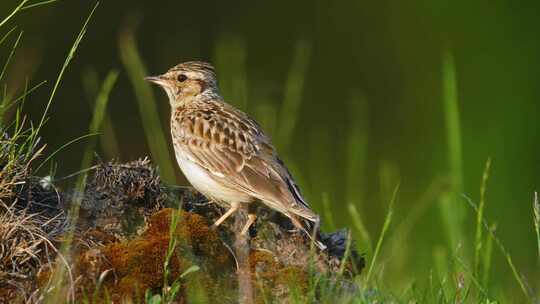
{"x": 358, "y": 96}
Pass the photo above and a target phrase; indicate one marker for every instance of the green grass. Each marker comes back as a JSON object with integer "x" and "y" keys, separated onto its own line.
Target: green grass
{"x": 505, "y": 253}
{"x": 294, "y": 88}
{"x": 15, "y": 44}
{"x": 147, "y": 103}
{"x": 98, "y": 116}
{"x": 479, "y": 218}
{"x": 451, "y": 208}
{"x": 108, "y": 139}
{"x": 13, "y": 13}
{"x": 357, "y": 148}
{"x": 386, "y": 225}
{"x": 536, "y": 212}
{"x": 230, "y": 60}
{"x": 365, "y": 245}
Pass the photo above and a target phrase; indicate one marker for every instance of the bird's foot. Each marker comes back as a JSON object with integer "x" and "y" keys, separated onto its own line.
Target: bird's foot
{"x": 251, "y": 219}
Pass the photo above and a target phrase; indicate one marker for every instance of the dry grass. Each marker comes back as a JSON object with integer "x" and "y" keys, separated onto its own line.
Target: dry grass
{"x": 25, "y": 245}
{"x": 26, "y": 235}
{"x": 14, "y": 165}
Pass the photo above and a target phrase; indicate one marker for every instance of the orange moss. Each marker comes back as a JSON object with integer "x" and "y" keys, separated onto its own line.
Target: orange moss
{"x": 193, "y": 231}
{"x": 42, "y": 277}
{"x": 8, "y": 294}
{"x": 137, "y": 265}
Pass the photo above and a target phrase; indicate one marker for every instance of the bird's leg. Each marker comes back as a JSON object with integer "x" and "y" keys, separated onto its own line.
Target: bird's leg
{"x": 251, "y": 219}
{"x": 233, "y": 209}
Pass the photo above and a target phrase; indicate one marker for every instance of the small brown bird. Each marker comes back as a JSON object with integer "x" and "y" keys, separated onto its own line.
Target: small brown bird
{"x": 223, "y": 153}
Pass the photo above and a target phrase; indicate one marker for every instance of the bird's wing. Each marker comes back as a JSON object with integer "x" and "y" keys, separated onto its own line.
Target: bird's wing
{"x": 233, "y": 148}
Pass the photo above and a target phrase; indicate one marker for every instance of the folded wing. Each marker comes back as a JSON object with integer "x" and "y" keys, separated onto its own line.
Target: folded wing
{"x": 235, "y": 151}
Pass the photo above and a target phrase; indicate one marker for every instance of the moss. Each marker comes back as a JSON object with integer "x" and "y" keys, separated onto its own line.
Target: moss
{"x": 273, "y": 278}
{"x": 195, "y": 235}
{"x": 125, "y": 238}
{"x": 137, "y": 265}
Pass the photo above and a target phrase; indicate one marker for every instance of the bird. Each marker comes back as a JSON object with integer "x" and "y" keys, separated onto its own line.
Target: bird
{"x": 225, "y": 154}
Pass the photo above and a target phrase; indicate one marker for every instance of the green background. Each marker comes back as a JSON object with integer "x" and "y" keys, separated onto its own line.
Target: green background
{"x": 370, "y": 112}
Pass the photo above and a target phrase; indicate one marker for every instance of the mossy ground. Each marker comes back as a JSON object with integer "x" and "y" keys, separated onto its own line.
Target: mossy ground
{"x": 120, "y": 257}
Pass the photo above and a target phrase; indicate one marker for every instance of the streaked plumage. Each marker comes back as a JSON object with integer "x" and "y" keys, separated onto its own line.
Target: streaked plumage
{"x": 225, "y": 154}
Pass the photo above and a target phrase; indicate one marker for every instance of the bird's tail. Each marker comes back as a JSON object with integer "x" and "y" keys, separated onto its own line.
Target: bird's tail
{"x": 311, "y": 229}
{"x": 304, "y": 218}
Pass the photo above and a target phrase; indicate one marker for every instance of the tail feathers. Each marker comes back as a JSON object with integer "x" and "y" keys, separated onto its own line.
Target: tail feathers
{"x": 311, "y": 229}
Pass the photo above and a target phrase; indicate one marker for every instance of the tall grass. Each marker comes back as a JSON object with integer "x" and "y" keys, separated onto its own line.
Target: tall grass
{"x": 155, "y": 135}
{"x": 364, "y": 242}
{"x": 98, "y": 116}
{"x": 505, "y": 253}
{"x": 108, "y": 140}
{"x": 16, "y": 10}
{"x": 69, "y": 57}
{"x": 357, "y": 147}
{"x": 55, "y": 285}
{"x": 536, "y": 218}
{"x": 386, "y": 225}
{"x": 230, "y": 62}
{"x": 15, "y": 44}
{"x": 480, "y": 218}
{"x": 487, "y": 257}
{"x": 452, "y": 211}
{"x": 23, "y": 146}
{"x": 471, "y": 281}
{"x": 294, "y": 89}
{"x": 327, "y": 212}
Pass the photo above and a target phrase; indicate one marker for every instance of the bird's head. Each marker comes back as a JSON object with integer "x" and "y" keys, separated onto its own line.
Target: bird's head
{"x": 186, "y": 81}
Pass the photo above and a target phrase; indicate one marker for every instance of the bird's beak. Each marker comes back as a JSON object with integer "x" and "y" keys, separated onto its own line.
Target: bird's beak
{"x": 161, "y": 80}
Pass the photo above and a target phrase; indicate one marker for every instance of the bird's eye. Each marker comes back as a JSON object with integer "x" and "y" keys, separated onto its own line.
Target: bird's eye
{"x": 181, "y": 78}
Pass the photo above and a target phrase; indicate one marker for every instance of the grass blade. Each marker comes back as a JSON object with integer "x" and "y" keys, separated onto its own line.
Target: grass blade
{"x": 6, "y": 35}
{"x": 294, "y": 89}
{"x": 230, "y": 61}
{"x": 488, "y": 255}
{"x": 108, "y": 142}
{"x": 357, "y": 144}
{"x": 504, "y": 252}
{"x": 327, "y": 213}
{"x": 452, "y": 212}
{"x": 359, "y": 225}
{"x": 536, "y": 210}
{"x": 14, "y": 12}
{"x": 159, "y": 148}
{"x": 26, "y": 92}
{"x": 58, "y": 275}
{"x": 69, "y": 57}
{"x": 10, "y": 55}
{"x": 479, "y": 219}
{"x": 22, "y": 7}
{"x": 69, "y": 143}
{"x": 386, "y": 224}
{"x": 37, "y": 4}
{"x": 102, "y": 100}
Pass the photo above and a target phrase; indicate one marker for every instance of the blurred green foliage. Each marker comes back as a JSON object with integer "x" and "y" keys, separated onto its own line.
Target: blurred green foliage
{"x": 358, "y": 95}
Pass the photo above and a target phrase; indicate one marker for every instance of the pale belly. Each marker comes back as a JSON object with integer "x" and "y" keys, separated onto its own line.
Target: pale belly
{"x": 204, "y": 182}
